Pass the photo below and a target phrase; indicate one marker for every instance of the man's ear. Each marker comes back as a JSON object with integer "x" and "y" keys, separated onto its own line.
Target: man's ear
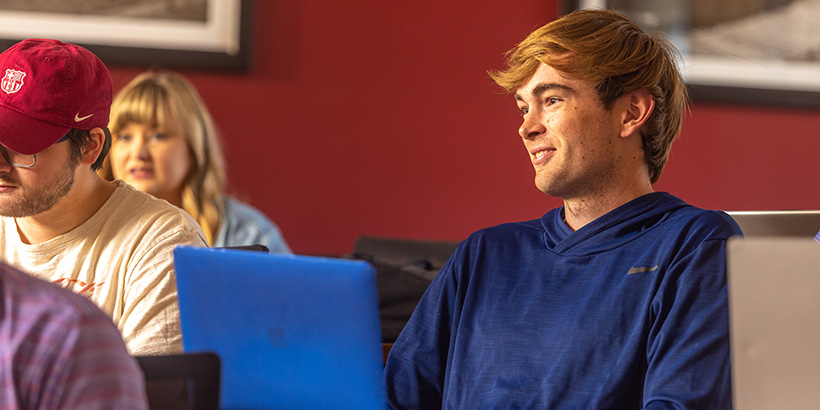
{"x": 639, "y": 106}
{"x": 94, "y": 147}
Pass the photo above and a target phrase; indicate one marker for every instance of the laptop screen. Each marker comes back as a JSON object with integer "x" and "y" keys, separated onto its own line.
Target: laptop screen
{"x": 774, "y": 306}
{"x": 799, "y": 223}
{"x": 292, "y": 332}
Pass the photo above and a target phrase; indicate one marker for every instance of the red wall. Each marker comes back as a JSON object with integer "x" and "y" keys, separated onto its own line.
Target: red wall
{"x": 373, "y": 117}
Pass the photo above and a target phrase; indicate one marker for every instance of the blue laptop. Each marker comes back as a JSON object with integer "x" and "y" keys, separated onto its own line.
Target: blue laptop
{"x": 292, "y": 332}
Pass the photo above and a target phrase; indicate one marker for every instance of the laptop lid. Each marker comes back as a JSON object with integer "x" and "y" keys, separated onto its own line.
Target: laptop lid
{"x": 774, "y": 305}
{"x": 801, "y": 223}
{"x": 181, "y": 381}
{"x": 292, "y": 332}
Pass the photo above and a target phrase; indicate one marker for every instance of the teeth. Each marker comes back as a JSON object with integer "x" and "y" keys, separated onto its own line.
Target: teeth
{"x": 539, "y": 153}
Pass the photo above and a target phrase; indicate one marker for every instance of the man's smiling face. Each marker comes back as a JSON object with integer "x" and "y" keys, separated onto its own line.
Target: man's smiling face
{"x": 568, "y": 133}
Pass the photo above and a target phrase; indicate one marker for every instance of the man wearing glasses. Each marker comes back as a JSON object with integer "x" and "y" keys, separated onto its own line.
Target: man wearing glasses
{"x": 63, "y": 223}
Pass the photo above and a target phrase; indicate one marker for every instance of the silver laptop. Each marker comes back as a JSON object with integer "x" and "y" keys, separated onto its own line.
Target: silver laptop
{"x": 774, "y": 305}
{"x": 802, "y": 223}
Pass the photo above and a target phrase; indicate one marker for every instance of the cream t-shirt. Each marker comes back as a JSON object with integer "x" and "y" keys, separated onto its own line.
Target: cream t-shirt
{"x": 122, "y": 259}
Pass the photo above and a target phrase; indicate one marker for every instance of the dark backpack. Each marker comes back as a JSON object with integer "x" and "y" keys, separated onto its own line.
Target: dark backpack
{"x": 404, "y": 269}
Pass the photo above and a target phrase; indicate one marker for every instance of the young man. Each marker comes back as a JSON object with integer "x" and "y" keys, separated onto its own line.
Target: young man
{"x": 60, "y": 351}
{"x": 60, "y": 220}
{"x": 617, "y": 299}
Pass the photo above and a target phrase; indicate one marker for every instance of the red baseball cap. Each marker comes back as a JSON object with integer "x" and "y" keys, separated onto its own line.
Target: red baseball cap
{"x": 49, "y": 87}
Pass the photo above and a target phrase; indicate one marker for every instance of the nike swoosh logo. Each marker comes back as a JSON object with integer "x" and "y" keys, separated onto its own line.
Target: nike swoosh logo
{"x": 77, "y": 117}
{"x": 642, "y": 269}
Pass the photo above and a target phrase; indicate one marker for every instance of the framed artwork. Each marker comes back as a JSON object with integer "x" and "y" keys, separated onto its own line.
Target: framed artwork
{"x": 764, "y": 52}
{"x": 202, "y": 34}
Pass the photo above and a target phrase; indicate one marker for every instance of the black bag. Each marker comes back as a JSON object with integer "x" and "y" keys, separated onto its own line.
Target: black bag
{"x": 404, "y": 269}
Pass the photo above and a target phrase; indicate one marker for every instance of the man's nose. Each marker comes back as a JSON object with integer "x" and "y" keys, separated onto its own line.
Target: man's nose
{"x": 531, "y": 127}
{"x": 5, "y": 164}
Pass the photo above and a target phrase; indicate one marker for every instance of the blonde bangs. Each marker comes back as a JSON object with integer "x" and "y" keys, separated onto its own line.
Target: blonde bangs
{"x": 145, "y": 103}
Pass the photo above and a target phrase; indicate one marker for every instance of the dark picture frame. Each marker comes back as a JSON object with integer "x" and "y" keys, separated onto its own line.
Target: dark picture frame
{"x": 217, "y": 43}
{"x": 725, "y": 79}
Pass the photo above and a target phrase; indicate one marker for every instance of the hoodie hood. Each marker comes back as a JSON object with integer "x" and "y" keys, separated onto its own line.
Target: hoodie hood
{"x": 613, "y": 229}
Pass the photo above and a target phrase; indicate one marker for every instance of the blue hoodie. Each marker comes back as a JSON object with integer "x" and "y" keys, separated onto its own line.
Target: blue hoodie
{"x": 628, "y": 312}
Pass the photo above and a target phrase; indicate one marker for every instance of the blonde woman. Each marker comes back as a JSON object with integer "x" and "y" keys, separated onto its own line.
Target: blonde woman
{"x": 164, "y": 143}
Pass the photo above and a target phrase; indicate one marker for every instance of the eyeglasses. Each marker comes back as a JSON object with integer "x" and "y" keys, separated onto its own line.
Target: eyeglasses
{"x": 17, "y": 159}
{"x": 23, "y": 160}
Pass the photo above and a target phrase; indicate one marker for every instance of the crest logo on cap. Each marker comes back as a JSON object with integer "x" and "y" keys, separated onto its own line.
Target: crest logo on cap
{"x": 12, "y": 81}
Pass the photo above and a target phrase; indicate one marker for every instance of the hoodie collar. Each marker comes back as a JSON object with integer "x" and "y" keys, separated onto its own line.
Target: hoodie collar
{"x": 611, "y": 230}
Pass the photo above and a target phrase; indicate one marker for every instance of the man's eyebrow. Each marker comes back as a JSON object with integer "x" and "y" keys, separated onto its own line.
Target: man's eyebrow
{"x": 544, "y": 87}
